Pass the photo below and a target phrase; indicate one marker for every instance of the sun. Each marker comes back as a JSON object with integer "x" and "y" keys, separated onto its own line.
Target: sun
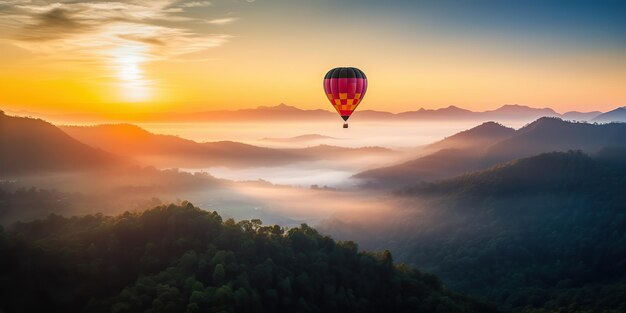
{"x": 126, "y": 61}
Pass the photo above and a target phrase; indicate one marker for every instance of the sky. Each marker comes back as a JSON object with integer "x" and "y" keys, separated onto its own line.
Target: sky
{"x": 131, "y": 56}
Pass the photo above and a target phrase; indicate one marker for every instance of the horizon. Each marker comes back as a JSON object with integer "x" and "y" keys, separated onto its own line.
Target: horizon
{"x": 122, "y": 117}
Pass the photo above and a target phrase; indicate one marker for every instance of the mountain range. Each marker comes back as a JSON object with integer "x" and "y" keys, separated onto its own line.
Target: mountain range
{"x": 490, "y": 143}
{"x": 617, "y": 115}
{"x": 30, "y": 145}
{"x": 172, "y": 151}
{"x": 283, "y": 112}
{"x": 34, "y": 146}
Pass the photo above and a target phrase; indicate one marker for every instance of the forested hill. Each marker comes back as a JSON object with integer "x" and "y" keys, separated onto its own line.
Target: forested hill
{"x": 183, "y": 259}
{"x": 30, "y": 146}
{"x": 559, "y": 173}
{"x": 546, "y": 232}
{"x": 490, "y": 144}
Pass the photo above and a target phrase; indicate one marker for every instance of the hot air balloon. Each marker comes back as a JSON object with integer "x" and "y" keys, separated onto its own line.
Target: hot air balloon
{"x": 345, "y": 88}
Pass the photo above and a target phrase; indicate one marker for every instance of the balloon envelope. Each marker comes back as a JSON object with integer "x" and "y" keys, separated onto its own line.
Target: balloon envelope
{"x": 345, "y": 87}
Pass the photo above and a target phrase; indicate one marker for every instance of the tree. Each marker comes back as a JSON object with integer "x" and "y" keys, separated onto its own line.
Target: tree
{"x": 219, "y": 274}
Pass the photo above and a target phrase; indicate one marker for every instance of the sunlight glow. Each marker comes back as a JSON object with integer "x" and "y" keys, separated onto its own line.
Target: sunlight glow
{"x": 126, "y": 62}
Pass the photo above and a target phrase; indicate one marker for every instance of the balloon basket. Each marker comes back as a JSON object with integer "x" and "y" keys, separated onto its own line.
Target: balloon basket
{"x": 345, "y": 125}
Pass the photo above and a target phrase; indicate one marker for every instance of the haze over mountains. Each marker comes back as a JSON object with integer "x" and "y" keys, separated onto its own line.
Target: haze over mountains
{"x": 617, "y": 115}
{"x": 172, "y": 151}
{"x": 300, "y": 139}
{"x": 33, "y": 145}
{"x": 551, "y": 134}
{"x": 490, "y": 144}
{"x": 147, "y": 148}
{"x": 284, "y": 112}
{"x": 30, "y": 146}
{"x": 483, "y": 135}
{"x": 477, "y": 148}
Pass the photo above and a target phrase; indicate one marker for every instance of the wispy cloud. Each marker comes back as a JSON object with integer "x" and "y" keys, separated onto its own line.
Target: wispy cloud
{"x": 86, "y": 27}
{"x": 195, "y": 4}
{"x": 222, "y": 21}
{"x": 119, "y": 35}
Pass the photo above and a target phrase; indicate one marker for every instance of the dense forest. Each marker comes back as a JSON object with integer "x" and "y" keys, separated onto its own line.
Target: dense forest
{"x": 30, "y": 203}
{"x": 546, "y": 232}
{"x": 178, "y": 258}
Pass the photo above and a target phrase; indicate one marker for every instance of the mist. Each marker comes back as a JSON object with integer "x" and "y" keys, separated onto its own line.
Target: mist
{"x": 394, "y": 135}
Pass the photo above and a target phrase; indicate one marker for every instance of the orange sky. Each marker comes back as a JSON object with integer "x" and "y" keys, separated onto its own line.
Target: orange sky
{"x": 164, "y": 55}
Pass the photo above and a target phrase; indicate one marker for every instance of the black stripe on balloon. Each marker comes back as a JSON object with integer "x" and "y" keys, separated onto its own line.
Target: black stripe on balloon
{"x": 351, "y": 73}
{"x": 345, "y": 72}
{"x": 345, "y": 117}
{"x": 329, "y": 75}
{"x": 360, "y": 73}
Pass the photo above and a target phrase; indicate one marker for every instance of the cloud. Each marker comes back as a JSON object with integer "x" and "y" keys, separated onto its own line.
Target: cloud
{"x": 12, "y": 2}
{"x": 53, "y": 24}
{"x": 196, "y": 4}
{"x": 222, "y": 21}
{"x": 143, "y": 39}
{"x": 116, "y": 36}
{"x": 86, "y": 28}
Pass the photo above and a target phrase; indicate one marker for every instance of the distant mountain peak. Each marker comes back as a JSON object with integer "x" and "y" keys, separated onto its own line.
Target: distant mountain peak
{"x": 279, "y": 107}
{"x": 124, "y": 129}
{"x": 549, "y": 119}
{"x": 491, "y": 125}
{"x": 475, "y": 138}
{"x": 617, "y": 115}
{"x": 543, "y": 122}
{"x": 486, "y": 129}
{"x": 516, "y": 106}
{"x": 519, "y": 107}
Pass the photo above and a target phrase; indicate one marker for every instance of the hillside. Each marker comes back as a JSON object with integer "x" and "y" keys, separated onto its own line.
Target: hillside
{"x": 541, "y": 233}
{"x": 490, "y": 144}
{"x": 580, "y": 116}
{"x": 182, "y": 259}
{"x": 300, "y": 139}
{"x": 553, "y": 134}
{"x": 456, "y": 154}
{"x": 617, "y": 115}
{"x": 438, "y": 165}
{"x": 172, "y": 151}
{"x": 481, "y": 136}
{"x": 29, "y": 146}
{"x": 559, "y": 172}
